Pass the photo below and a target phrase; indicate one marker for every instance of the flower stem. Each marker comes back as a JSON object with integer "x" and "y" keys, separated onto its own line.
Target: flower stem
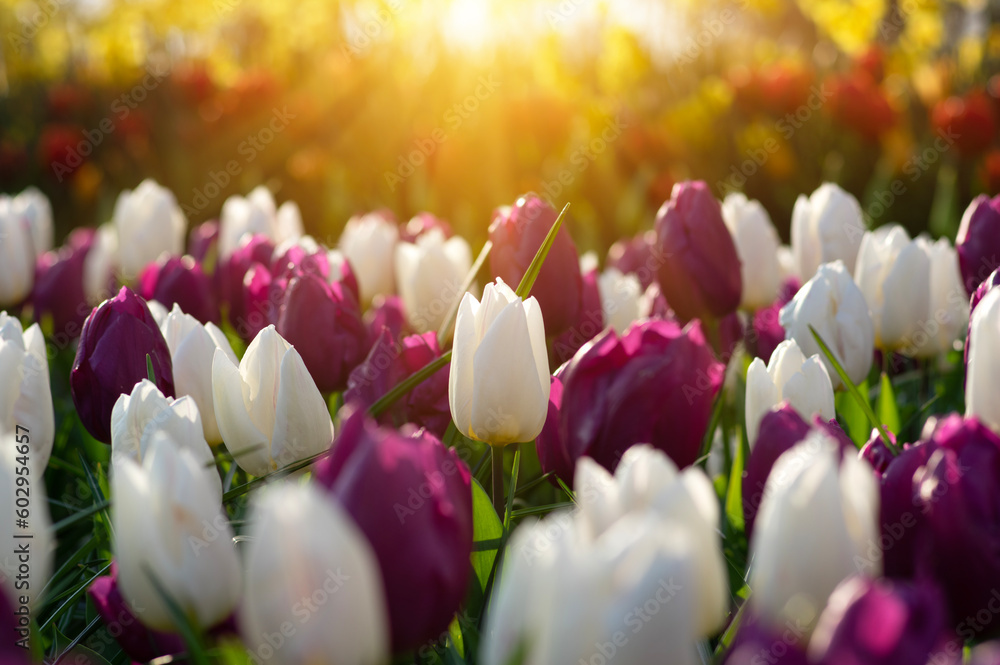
{"x": 498, "y": 502}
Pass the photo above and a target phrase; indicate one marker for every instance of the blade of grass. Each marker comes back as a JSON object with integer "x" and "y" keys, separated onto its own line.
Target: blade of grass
{"x": 445, "y": 329}
{"x": 531, "y": 274}
{"x": 538, "y": 510}
{"x": 82, "y": 515}
{"x": 284, "y": 471}
{"x": 73, "y": 598}
{"x": 150, "y": 374}
{"x": 514, "y": 472}
{"x": 76, "y": 640}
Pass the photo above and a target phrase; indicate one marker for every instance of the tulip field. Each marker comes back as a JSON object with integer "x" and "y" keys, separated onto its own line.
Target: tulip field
{"x": 524, "y": 333}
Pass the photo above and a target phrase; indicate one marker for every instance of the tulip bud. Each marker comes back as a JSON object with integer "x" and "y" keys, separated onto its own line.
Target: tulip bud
{"x": 385, "y": 312}
{"x": 24, "y": 523}
{"x": 341, "y": 271}
{"x": 757, "y": 245}
{"x": 138, "y": 642}
{"x": 498, "y": 386}
{"x": 303, "y": 545}
{"x": 203, "y": 243}
{"x": 149, "y": 223}
{"x": 517, "y": 233}
{"x": 17, "y": 255}
{"x": 429, "y": 276}
{"x": 948, "y": 317}
{"x": 388, "y": 364}
{"x": 269, "y": 411}
{"x": 826, "y": 227}
{"x": 893, "y": 273}
{"x": 311, "y": 304}
{"x": 978, "y": 241}
{"x": 637, "y": 256}
{"x": 255, "y": 250}
{"x": 818, "y": 518}
{"x": 765, "y": 332}
{"x": 788, "y": 377}
{"x": 256, "y": 215}
{"x": 180, "y": 281}
{"x": 589, "y": 323}
{"x": 111, "y": 359}
{"x": 421, "y": 223}
{"x": 982, "y": 399}
{"x": 146, "y": 413}
{"x": 759, "y": 641}
{"x": 34, "y": 211}
{"x": 412, "y": 498}
{"x": 621, "y": 299}
{"x": 700, "y": 271}
{"x": 655, "y": 384}
{"x": 832, "y": 303}
{"x": 100, "y": 265}
{"x": 59, "y": 285}
{"x": 28, "y": 401}
{"x": 369, "y": 243}
{"x": 172, "y": 533}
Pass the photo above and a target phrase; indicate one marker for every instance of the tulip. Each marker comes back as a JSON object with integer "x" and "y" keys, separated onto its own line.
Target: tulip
{"x": 834, "y": 306}
{"x": 27, "y": 401}
{"x": 985, "y": 287}
{"x": 59, "y": 285}
{"x": 655, "y": 384}
{"x": 17, "y": 256}
{"x": 819, "y": 515}
{"x": 385, "y": 312}
{"x": 969, "y": 121}
{"x": 899, "y": 512}
{"x": 145, "y": 413}
{"x": 256, "y": 215}
{"x": 269, "y": 410}
{"x": 192, "y": 348}
{"x": 111, "y": 358}
{"x": 700, "y": 271}
{"x": 589, "y": 323}
{"x": 340, "y": 271}
{"x": 498, "y": 386}
{"x": 203, "y": 243}
{"x": 254, "y": 250}
{"x": 638, "y": 256}
{"x": 429, "y": 276}
{"x": 978, "y": 241}
{"x": 517, "y": 233}
{"x": 875, "y": 622}
{"x": 948, "y": 317}
{"x": 149, "y": 222}
{"x": 826, "y": 227}
{"x": 310, "y": 304}
{"x": 303, "y": 545}
{"x": 32, "y": 208}
{"x": 553, "y": 456}
{"x": 421, "y": 223}
{"x": 18, "y": 581}
{"x": 758, "y": 641}
{"x": 369, "y": 244}
{"x": 982, "y": 398}
{"x": 757, "y": 245}
{"x": 388, "y": 364}
{"x": 893, "y": 272}
{"x": 137, "y": 641}
{"x": 100, "y": 265}
{"x": 180, "y": 281}
{"x": 788, "y": 377}
{"x": 780, "y": 430}
{"x": 621, "y": 299}
{"x": 412, "y": 499}
{"x": 172, "y": 537}
{"x": 765, "y": 331}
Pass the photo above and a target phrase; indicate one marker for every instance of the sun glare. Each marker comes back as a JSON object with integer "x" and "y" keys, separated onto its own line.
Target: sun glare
{"x": 468, "y": 23}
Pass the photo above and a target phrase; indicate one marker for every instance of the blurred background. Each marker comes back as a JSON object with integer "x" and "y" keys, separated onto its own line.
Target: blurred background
{"x": 458, "y": 106}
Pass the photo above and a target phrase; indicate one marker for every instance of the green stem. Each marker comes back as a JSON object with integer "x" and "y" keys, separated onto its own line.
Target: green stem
{"x": 498, "y": 504}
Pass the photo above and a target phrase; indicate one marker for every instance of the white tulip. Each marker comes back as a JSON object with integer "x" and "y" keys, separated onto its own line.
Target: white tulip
{"x": 816, "y": 526}
{"x": 304, "y": 546}
{"x": 22, "y": 494}
{"x": 788, "y": 377}
{"x": 158, "y": 311}
{"x": 100, "y": 264}
{"x": 429, "y": 275}
{"x": 369, "y": 243}
{"x": 622, "y": 300}
{"x": 948, "y": 318}
{"x": 149, "y": 223}
{"x": 137, "y": 417}
{"x": 256, "y": 214}
{"x": 25, "y": 394}
{"x": 786, "y": 264}
{"x": 169, "y": 526}
{"x": 893, "y": 273}
{"x": 833, "y": 304}
{"x": 757, "y": 244}
{"x": 269, "y": 410}
{"x": 982, "y": 395}
{"x": 192, "y": 349}
{"x": 498, "y": 388}
{"x": 33, "y": 208}
{"x": 17, "y": 255}
{"x": 826, "y": 227}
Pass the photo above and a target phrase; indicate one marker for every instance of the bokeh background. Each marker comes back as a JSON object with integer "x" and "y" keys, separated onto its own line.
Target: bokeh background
{"x": 458, "y": 106}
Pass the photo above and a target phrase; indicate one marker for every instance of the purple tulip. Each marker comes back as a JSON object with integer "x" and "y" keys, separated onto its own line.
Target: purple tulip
{"x": 881, "y": 622}
{"x": 877, "y": 454}
{"x": 203, "y": 243}
{"x": 653, "y": 385}
{"x": 758, "y": 642}
{"x": 412, "y": 498}
{"x": 639, "y": 256}
{"x": 780, "y": 430}
{"x": 179, "y": 280}
{"x": 900, "y": 515}
{"x": 549, "y": 444}
{"x": 258, "y": 250}
{"x": 659, "y": 307}
{"x": 58, "y": 289}
{"x": 388, "y": 364}
{"x": 420, "y": 224}
{"x": 700, "y": 270}
{"x": 766, "y": 333}
{"x": 385, "y": 312}
{"x": 590, "y": 322}
{"x": 10, "y": 652}
{"x": 323, "y": 322}
{"x": 111, "y": 359}
{"x": 517, "y": 233}
{"x": 138, "y": 642}
{"x": 978, "y": 241}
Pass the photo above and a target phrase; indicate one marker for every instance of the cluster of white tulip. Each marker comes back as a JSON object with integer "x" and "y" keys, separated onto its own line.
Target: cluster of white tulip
{"x": 256, "y": 214}
{"x": 636, "y": 572}
{"x": 430, "y": 271}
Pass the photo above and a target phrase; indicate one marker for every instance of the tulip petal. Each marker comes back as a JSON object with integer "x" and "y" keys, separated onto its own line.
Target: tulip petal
{"x": 302, "y": 425}
{"x": 247, "y": 444}
{"x": 460, "y": 377}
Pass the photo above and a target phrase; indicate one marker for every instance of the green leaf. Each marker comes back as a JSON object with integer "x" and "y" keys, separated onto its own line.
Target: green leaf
{"x": 734, "y": 491}
{"x": 853, "y": 417}
{"x": 888, "y": 412}
{"x": 150, "y": 374}
{"x": 487, "y": 530}
{"x": 515, "y": 470}
{"x": 531, "y": 274}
